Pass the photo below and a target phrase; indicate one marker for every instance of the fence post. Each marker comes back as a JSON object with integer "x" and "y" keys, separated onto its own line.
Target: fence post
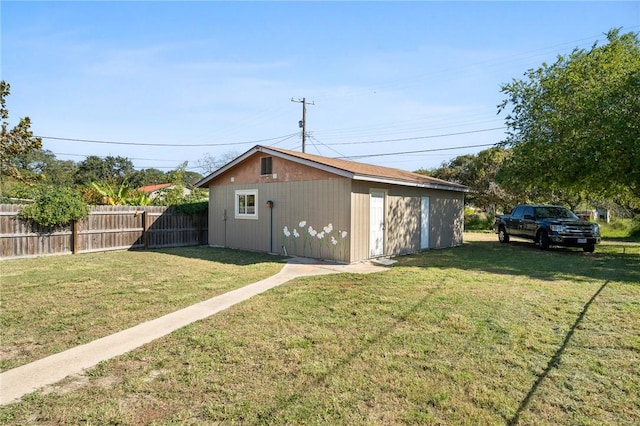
{"x": 75, "y": 243}
{"x": 146, "y": 221}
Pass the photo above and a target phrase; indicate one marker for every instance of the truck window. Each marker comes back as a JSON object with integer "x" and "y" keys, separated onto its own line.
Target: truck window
{"x": 528, "y": 210}
{"x": 518, "y": 212}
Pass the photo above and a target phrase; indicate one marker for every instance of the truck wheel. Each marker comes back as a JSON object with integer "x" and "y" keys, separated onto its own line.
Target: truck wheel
{"x": 543, "y": 240}
{"x": 589, "y": 249}
{"x": 503, "y": 237}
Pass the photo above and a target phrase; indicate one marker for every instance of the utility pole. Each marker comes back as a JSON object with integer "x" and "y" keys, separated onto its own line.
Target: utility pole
{"x": 303, "y": 123}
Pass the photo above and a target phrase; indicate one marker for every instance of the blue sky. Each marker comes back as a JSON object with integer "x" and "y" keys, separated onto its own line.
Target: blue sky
{"x": 386, "y": 78}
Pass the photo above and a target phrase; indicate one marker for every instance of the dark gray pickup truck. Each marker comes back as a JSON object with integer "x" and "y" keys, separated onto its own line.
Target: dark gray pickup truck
{"x": 547, "y": 226}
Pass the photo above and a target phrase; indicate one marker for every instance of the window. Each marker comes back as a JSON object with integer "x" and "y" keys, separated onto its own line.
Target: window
{"x": 518, "y": 211}
{"x": 265, "y": 166}
{"x": 246, "y": 204}
{"x": 528, "y": 211}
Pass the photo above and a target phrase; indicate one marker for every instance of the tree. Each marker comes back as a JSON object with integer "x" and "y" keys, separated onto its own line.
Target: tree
{"x": 209, "y": 164}
{"x": 94, "y": 168}
{"x": 15, "y": 142}
{"x": 120, "y": 194}
{"x": 146, "y": 177}
{"x": 189, "y": 179}
{"x": 42, "y": 166}
{"x": 574, "y": 125}
{"x": 478, "y": 172}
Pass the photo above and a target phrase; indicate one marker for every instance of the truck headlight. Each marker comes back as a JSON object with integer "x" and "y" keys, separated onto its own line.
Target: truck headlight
{"x": 595, "y": 228}
{"x": 557, "y": 228}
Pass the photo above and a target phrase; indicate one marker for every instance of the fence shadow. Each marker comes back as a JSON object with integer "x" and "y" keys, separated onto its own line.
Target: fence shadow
{"x": 554, "y": 360}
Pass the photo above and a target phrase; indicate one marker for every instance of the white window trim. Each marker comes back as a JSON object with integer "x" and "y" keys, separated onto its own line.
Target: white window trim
{"x": 236, "y": 203}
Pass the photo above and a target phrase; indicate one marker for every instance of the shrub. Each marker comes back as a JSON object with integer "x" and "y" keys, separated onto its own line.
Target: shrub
{"x": 193, "y": 208}
{"x": 635, "y": 227}
{"x": 55, "y": 206}
{"x": 477, "y": 221}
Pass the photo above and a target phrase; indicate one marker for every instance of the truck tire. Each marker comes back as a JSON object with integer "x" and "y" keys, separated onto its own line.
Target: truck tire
{"x": 503, "y": 237}
{"x": 543, "y": 240}
{"x": 589, "y": 249}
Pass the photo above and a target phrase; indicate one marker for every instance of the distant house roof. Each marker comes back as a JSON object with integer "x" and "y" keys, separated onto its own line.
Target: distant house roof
{"x": 349, "y": 169}
{"x": 152, "y": 188}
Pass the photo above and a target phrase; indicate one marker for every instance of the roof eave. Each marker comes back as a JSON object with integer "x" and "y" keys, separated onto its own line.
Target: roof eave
{"x": 429, "y": 185}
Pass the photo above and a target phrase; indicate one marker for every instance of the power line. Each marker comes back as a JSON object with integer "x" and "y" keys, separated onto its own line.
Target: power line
{"x": 355, "y": 156}
{"x": 282, "y": 139}
{"x": 420, "y": 137}
{"x": 105, "y": 156}
{"x": 419, "y": 151}
{"x": 163, "y": 144}
{"x": 325, "y": 145}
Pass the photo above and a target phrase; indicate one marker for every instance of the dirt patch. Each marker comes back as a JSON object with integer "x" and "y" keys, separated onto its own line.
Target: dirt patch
{"x": 69, "y": 384}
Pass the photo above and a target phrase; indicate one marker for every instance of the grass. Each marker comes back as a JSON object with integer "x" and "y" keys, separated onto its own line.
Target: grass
{"x": 50, "y": 304}
{"x": 621, "y": 230}
{"x": 480, "y": 334}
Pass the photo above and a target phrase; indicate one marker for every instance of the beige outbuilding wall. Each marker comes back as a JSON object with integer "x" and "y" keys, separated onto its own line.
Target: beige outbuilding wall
{"x": 403, "y": 208}
{"x": 323, "y": 215}
{"x": 313, "y": 209}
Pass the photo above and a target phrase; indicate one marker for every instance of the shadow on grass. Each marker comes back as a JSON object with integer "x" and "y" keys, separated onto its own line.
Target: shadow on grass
{"x": 611, "y": 263}
{"x": 344, "y": 362}
{"x": 555, "y": 359}
{"x": 221, "y": 255}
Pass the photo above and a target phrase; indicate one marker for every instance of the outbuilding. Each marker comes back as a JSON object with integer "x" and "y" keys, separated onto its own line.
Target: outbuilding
{"x": 280, "y": 201}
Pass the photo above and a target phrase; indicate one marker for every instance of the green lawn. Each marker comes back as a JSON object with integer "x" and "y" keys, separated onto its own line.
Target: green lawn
{"x": 480, "y": 334}
{"x": 50, "y": 304}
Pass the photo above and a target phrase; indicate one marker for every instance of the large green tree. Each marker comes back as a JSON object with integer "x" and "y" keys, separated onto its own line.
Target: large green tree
{"x": 574, "y": 125}
{"x": 150, "y": 176}
{"x": 110, "y": 168}
{"x": 14, "y": 142}
{"x": 43, "y": 166}
{"x": 478, "y": 172}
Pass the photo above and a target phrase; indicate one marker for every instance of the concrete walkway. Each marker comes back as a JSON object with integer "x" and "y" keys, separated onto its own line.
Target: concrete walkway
{"x": 16, "y": 383}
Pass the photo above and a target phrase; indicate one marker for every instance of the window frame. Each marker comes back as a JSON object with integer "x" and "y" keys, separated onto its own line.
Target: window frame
{"x": 240, "y": 193}
{"x": 264, "y": 162}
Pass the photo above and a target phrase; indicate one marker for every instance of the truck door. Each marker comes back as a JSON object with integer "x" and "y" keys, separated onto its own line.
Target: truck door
{"x": 514, "y": 220}
{"x": 529, "y": 225}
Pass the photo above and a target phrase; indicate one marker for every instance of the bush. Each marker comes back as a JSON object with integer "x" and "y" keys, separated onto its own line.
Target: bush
{"x": 624, "y": 229}
{"x": 477, "y": 221}
{"x": 53, "y": 207}
{"x": 17, "y": 193}
{"x": 193, "y": 208}
{"x": 635, "y": 227}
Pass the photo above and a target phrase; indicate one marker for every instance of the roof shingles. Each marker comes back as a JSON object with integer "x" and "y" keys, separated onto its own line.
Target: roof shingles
{"x": 370, "y": 170}
{"x": 355, "y": 170}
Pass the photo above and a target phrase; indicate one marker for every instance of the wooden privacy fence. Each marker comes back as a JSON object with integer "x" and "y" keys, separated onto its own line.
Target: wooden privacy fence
{"x": 105, "y": 228}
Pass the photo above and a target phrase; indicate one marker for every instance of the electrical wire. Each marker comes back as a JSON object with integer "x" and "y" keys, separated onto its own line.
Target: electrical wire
{"x": 419, "y": 151}
{"x": 163, "y": 144}
{"x": 420, "y": 137}
{"x": 311, "y": 136}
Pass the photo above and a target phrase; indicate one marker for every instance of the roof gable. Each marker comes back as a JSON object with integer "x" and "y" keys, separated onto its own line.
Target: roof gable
{"x": 349, "y": 169}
